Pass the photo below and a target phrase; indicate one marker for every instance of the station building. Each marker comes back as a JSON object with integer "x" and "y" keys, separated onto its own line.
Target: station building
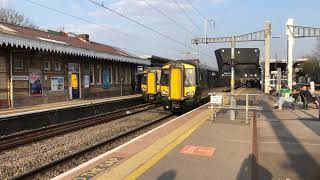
{"x": 44, "y": 66}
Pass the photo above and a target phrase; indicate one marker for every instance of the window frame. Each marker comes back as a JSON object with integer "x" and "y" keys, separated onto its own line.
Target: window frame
{"x": 49, "y": 66}
{"x": 92, "y": 74}
{"x": 99, "y": 71}
{"x": 60, "y": 66}
{"x": 15, "y": 63}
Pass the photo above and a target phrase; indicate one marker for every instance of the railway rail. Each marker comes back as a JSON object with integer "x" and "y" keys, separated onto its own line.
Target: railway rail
{"x": 82, "y": 152}
{"x": 16, "y": 140}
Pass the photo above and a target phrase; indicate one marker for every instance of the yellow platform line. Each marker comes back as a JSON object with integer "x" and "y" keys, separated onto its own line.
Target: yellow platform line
{"x": 124, "y": 169}
{"x": 144, "y": 160}
{"x": 151, "y": 162}
{"x": 143, "y": 168}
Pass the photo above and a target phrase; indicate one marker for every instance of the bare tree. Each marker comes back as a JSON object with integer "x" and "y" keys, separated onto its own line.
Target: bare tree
{"x": 13, "y": 17}
{"x": 316, "y": 50}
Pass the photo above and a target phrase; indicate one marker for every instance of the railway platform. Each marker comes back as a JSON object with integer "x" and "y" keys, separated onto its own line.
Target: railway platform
{"x": 276, "y": 144}
{"x": 4, "y": 113}
{"x": 28, "y": 118}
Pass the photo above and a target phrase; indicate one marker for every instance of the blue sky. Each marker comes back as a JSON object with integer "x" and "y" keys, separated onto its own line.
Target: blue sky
{"x": 232, "y": 17}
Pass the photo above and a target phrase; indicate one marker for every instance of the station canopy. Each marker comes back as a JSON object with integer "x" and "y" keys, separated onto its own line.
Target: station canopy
{"x": 62, "y": 42}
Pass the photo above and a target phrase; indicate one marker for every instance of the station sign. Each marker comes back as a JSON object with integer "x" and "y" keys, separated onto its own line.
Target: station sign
{"x": 20, "y": 78}
{"x": 216, "y": 99}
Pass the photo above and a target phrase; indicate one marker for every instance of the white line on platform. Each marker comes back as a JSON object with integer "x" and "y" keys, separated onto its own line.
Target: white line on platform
{"x": 236, "y": 140}
{"x": 66, "y": 174}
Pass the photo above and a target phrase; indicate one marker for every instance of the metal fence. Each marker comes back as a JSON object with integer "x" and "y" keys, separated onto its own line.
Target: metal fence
{"x": 218, "y": 101}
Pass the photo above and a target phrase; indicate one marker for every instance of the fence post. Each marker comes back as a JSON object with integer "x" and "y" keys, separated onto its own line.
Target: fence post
{"x": 247, "y": 107}
{"x": 211, "y": 107}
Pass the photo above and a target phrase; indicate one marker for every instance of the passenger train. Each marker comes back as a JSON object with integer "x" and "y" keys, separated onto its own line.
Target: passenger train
{"x": 185, "y": 84}
{"x": 150, "y": 84}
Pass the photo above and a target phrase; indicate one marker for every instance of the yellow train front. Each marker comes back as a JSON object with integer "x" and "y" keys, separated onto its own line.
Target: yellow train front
{"x": 150, "y": 84}
{"x": 185, "y": 84}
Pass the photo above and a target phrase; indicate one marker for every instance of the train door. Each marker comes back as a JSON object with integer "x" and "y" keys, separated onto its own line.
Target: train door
{"x": 176, "y": 75}
{"x": 75, "y": 82}
{"x": 151, "y": 82}
{"x": 75, "y": 86}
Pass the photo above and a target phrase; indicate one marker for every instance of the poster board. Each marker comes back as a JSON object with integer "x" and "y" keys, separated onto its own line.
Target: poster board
{"x": 35, "y": 82}
{"x": 106, "y": 74}
{"x": 57, "y": 83}
{"x": 86, "y": 81}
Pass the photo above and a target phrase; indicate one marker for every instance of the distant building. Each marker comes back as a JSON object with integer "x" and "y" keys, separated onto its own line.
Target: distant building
{"x": 47, "y": 66}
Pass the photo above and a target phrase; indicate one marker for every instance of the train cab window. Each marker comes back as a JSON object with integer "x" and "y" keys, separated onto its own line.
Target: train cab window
{"x": 190, "y": 77}
{"x": 158, "y": 77}
{"x": 164, "y": 78}
{"x": 144, "y": 78}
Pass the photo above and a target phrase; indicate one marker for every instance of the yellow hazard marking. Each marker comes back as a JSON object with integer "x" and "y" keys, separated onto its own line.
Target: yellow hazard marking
{"x": 145, "y": 159}
{"x": 143, "y": 168}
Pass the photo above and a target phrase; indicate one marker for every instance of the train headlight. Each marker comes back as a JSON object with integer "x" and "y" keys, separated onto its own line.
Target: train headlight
{"x": 191, "y": 93}
{"x": 164, "y": 93}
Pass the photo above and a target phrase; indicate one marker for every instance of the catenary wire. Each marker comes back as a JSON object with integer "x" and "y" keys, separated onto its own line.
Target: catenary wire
{"x": 171, "y": 19}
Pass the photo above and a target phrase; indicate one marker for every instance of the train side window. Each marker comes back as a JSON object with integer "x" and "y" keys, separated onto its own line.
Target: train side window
{"x": 199, "y": 78}
{"x": 165, "y": 77}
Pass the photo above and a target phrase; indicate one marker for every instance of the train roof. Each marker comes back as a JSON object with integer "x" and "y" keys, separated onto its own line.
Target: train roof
{"x": 198, "y": 65}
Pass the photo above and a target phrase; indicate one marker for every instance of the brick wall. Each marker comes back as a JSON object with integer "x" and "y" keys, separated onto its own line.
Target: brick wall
{"x": 4, "y": 78}
{"x": 36, "y": 61}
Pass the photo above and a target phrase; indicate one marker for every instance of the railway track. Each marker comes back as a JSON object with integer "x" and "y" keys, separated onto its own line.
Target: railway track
{"x": 28, "y": 137}
{"x": 82, "y": 152}
{"x": 16, "y": 140}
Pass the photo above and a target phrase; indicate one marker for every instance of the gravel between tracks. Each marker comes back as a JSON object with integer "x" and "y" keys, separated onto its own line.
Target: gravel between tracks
{"x": 19, "y": 160}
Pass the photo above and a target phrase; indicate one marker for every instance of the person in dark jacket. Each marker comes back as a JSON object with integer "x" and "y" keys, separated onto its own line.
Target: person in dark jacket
{"x": 307, "y": 97}
{"x": 293, "y": 97}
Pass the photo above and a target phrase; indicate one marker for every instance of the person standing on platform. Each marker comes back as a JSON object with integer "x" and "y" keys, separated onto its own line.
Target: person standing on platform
{"x": 312, "y": 87}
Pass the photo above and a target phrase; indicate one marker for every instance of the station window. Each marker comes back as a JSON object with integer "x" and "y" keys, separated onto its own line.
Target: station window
{"x": 57, "y": 66}
{"x": 18, "y": 64}
{"x": 92, "y": 74}
{"x": 99, "y": 74}
{"x": 47, "y": 66}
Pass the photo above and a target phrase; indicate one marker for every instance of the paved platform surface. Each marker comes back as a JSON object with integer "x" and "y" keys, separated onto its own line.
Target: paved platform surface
{"x": 59, "y": 105}
{"x": 278, "y": 144}
{"x": 288, "y": 143}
